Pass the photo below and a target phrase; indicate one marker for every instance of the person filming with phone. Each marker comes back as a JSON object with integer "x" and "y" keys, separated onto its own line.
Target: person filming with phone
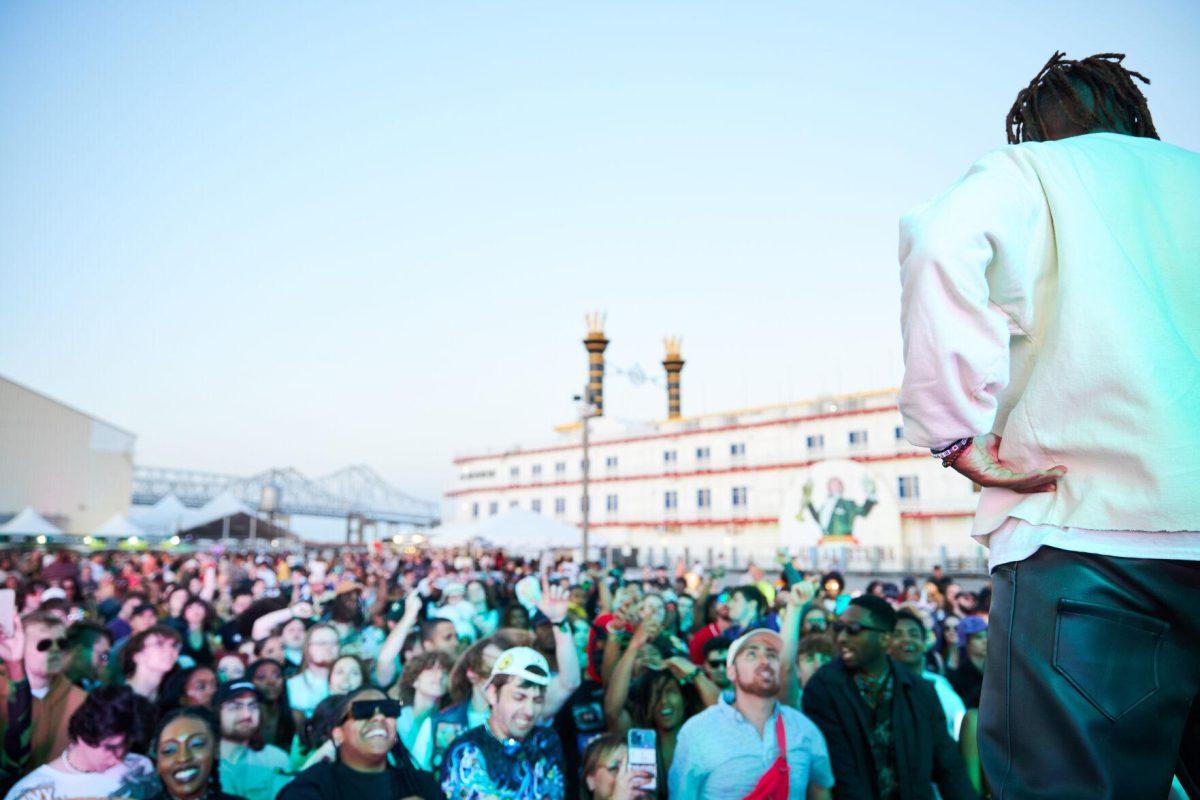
{"x": 750, "y": 745}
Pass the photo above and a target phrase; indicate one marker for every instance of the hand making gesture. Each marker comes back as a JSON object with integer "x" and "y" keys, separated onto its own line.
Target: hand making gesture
{"x": 553, "y": 602}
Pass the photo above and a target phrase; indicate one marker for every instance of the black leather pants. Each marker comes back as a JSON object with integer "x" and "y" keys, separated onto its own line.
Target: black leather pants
{"x": 1092, "y": 678}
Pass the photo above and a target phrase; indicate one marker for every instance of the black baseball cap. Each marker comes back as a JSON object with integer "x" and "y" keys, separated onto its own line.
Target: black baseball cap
{"x": 230, "y": 690}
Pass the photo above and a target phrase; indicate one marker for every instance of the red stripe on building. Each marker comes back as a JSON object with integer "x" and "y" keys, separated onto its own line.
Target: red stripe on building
{"x": 693, "y": 474}
{"x": 680, "y": 434}
{"x": 736, "y": 521}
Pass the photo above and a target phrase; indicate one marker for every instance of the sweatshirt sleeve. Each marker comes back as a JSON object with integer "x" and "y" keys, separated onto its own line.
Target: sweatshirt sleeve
{"x": 956, "y": 339}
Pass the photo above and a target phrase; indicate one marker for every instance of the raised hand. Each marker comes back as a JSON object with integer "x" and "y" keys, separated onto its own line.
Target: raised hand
{"x": 680, "y": 666}
{"x": 629, "y": 782}
{"x": 646, "y": 631}
{"x": 554, "y": 601}
{"x": 981, "y": 463}
{"x": 801, "y": 593}
{"x": 412, "y": 606}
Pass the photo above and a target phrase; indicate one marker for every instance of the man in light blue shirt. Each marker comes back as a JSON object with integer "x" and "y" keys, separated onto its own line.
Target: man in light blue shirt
{"x": 724, "y": 751}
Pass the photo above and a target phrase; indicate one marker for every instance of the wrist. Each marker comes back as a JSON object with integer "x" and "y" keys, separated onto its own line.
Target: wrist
{"x": 951, "y": 452}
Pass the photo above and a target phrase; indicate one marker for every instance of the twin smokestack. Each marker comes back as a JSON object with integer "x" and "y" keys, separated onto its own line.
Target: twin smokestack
{"x": 595, "y": 343}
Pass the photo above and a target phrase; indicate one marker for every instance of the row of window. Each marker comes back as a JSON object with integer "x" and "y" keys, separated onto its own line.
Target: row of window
{"x": 737, "y": 450}
{"x": 908, "y": 487}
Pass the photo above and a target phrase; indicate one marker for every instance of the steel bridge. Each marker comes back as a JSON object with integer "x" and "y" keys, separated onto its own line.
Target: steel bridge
{"x": 355, "y": 492}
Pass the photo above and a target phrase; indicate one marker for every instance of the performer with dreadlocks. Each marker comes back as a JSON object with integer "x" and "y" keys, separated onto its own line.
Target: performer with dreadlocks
{"x": 1051, "y": 319}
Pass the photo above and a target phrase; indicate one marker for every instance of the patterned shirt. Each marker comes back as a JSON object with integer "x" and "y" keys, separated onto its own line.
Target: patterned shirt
{"x": 478, "y": 766}
{"x": 878, "y": 698}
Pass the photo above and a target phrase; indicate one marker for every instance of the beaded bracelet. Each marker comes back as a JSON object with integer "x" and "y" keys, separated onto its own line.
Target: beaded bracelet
{"x": 950, "y": 454}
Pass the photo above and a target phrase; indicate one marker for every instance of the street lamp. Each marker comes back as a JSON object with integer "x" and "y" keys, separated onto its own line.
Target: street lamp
{"x": 586, "y": 412}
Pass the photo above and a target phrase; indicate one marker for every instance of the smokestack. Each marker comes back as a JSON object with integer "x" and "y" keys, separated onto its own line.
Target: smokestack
{"x": 595, "y": 344}
{"x": 673, "y": 364}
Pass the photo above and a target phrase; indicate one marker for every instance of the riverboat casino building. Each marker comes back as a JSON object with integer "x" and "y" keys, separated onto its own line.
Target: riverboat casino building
{"x": 722, "y": 487}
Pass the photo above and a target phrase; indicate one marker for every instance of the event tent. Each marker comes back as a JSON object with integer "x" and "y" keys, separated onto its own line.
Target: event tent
{"x": 523, "y": 531}
{"x": 164, "y": 518}
{"x": 29, "y": 523}
{"x": 119, "y": 525}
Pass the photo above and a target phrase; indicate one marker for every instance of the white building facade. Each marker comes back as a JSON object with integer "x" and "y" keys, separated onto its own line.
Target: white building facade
{"x": 723, "y": 488}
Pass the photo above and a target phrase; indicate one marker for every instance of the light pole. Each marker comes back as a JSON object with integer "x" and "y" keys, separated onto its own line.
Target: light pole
{"x": 587, "y": 411}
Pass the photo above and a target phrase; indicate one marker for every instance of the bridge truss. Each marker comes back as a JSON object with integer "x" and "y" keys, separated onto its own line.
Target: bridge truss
{"x": 356, "y": 492}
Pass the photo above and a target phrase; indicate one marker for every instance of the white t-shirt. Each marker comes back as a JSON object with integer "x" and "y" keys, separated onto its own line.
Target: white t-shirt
{"x": 134, "y": 777}
{"x": 304, "y": 693}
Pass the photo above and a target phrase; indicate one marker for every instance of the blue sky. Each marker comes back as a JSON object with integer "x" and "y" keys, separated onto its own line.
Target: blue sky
{"x": 314, "y": 234}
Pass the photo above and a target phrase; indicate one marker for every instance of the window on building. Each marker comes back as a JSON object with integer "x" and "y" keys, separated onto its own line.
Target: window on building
{"x": 670, "y": 457}
{"x": 858, "y": 438}
{"x": 737, "y": 449}
{"x": 899, "y": 432}
{"x": 560, "y": 505}
{"x": 909, "y": 486}
{"x": 535, "y": 506}
{"x": 560, "y": 468}
{"x": 815, "y": 442}
{"x": 704, "y": 498}
{"x": 475, "y": 510}
{"x": 610, "y": 503}
{"x": 537, "y": 470}
{"x": 514, "y": 472}
{"x": 739, "y": 496}
{"x": 703, "y": 454}
{"x": 670, "y": 500}
{"x": 610, "y": 462}
{"x": 493, "y": 507}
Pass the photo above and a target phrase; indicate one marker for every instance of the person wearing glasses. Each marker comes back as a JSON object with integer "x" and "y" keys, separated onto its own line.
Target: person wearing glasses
{"x": 96, "y": 761}
{"x": 249, "y": 767}
{"x": 364, "y": 739}
{"x": 884, "y": 726}
{"x": 606, "y": 771}
{"x": 147, "y": 657}
{"x": 54, "y": 697}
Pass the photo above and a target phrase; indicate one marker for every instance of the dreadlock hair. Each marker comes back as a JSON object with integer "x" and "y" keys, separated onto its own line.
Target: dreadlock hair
{"x": 204, "y": 716}
{"x": 1097, "y": 93}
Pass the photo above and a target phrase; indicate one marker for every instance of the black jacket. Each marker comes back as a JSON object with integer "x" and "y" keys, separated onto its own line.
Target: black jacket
{"x": 319, "y": 782}
{"x": 925, "y": 753}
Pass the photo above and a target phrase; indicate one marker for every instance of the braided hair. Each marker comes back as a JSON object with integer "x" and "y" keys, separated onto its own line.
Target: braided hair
{"x": 213, "y": 791}
{"x": 1096, "y": 93}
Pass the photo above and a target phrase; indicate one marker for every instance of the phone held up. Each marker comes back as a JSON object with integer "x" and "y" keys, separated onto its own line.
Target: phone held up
{"x": 8, "y": 610}
{"x": 643, "y": 756}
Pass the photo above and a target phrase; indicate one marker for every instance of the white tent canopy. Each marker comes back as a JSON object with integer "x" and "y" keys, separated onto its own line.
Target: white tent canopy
{"x": 119, "y": 525}
{"x": 523, "y": 531}
{"x": 452, "y": 534}
{"x": 29, "y": 522}
{"x": 222, "y": 506}
{"x": 164, "y": 517}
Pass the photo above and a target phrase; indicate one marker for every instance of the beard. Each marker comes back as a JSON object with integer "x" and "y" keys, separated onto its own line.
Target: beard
{"x": 759, "y": 684}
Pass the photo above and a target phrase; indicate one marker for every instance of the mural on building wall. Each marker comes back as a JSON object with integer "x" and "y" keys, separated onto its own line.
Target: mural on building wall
{"x": 837, "y": 503}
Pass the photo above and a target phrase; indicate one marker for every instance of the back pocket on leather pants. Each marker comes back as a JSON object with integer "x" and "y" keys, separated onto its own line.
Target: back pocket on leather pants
{"x": 1109, "y": 655}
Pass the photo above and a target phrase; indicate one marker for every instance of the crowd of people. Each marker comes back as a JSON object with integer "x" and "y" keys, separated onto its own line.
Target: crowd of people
{"x": 371, "y": 674}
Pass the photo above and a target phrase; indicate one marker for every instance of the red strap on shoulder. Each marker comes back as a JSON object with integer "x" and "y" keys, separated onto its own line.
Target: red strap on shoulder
{"x": 780, "y": 735}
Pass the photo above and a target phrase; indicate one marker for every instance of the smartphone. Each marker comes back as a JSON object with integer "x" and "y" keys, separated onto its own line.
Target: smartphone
{"x": 8, "y": 610}
{"x": 643, "y": 756}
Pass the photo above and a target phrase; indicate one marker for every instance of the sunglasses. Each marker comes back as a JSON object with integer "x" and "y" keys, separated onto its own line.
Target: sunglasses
{"x": 45, "y": 644}
{"x": 854, "y": 628}
{"x": 365, "y": 709}
{"x": 716, "y": 663}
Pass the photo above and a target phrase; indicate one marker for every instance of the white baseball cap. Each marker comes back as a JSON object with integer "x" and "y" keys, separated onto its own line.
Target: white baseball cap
{"x": 741, "y": 641}
{"x": 522, "y": 662}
